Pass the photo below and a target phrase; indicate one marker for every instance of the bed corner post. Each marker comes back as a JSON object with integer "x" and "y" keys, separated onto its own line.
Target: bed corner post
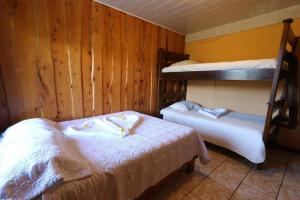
{"x": 160, "y": 83}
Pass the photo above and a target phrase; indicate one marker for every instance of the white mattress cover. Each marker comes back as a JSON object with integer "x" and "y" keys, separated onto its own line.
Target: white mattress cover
{"x": 239, "y": 132}
{"x": 125, "y": 167}
{"x": 234, "y": 65}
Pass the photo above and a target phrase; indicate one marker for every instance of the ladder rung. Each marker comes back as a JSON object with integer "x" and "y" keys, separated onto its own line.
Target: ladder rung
{"x": 273, "y": 129}
{"x": 277, "y": 104}
{"x": 283, "y": 74}
{"x": 282, "y": 122}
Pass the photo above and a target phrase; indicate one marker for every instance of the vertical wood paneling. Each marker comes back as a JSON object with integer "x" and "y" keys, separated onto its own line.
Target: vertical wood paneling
{"x": 150, "y": 41}
{"x": 43, "y": 61}
{"x": 74, "y": 11}
{"x": 128, "y": 61}
{"x": 116, "y": 61}
{"x": 107, "y": 61}
{"x": 23, "y": 35}
{"x": 153, "y": 69}
{"x": 144, "y": 73}
{"x": 8, "y": 60}
{"x": 86, "y": 57}
{"x": 138, "y": 89}
{"x": 4, "y": 116}
{"x": 97, "y": 55}
{"x": 61, "y": 60}
{"x": 70, "y": 59}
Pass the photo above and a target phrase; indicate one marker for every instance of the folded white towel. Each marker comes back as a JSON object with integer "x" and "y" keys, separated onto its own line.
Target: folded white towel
{"x": 120, "y": 125}
{"x": 213, "y": 113}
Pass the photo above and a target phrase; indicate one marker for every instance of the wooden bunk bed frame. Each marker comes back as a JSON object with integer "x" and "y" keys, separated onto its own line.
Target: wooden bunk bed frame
{"x": 281, "y": 113}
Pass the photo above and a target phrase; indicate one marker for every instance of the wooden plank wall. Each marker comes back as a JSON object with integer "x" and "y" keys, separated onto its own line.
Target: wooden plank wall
{"x": 68, "y": 59}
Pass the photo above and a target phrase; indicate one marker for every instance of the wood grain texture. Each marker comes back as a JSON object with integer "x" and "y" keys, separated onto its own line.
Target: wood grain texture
{"x": 86, "y": 57}
{"x": 74, "y": 12}
{"x": 60, "y": 54}
{"x": 43, "y": 61}
{"x": 4, "y": 116}
{"x": 67, "y": 59}
{"x": 97, "y": 61}
{"x": 8, "y": 62}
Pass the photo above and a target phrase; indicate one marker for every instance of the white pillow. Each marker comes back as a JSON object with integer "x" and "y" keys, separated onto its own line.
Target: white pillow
{"x": 184, "y": 106}
{"x": 184, "y": 62}
{"x": 179, "y": 106}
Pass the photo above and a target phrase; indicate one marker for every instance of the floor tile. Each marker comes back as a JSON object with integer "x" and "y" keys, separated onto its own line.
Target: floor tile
{"x": 291, "y": 183}
{"x": 290, "y": 189}
{"x": 216, "y": 158}
{"x": 172, "y": 188}
{"x": 286, "y": 193}
{"x": 210, "y": 191}
{"x": 227, "y": 183}
{"x": 172, "y": 193}
{"x": 293, "y": 169}
{"x": 234, "y": 169}
{"x": 191, "y": 197}
{"x": 192, "y": 180}
{"x": 221, "y": 179}
{"x": 245, "y": 192}
{"x": 263, "y": 183}
{"x": 204, "y": 170}
{"x": 272, "y": 170}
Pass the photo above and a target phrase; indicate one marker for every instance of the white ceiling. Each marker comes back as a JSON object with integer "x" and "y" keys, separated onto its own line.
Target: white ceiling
{"x": 190, "y": 16}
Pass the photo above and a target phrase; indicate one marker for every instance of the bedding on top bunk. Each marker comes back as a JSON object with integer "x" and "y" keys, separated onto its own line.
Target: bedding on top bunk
{"x": 234, "y": 65}
{"x": 238, "y": 132}
{"x": 123, "y": 167}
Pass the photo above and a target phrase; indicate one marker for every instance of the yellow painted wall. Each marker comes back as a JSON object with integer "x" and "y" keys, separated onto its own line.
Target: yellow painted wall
{"x": 249, "y": 97}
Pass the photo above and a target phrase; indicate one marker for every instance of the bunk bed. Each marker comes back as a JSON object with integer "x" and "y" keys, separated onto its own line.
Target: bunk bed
{"x": 282, "y": 112}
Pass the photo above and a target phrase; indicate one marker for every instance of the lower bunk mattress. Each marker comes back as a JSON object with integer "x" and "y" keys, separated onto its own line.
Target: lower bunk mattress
{"x": 239, "y": 132}
{"x": 125, "y": 167}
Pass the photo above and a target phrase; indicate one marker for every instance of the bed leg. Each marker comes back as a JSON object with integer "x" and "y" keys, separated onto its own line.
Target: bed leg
{"x": 191, "y": 165}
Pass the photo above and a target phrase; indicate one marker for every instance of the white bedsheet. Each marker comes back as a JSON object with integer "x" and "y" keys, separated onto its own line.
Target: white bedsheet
{"x": 239, "y": 132}
{"x": 235, "y": 65}
{"x": 125, "y": 167}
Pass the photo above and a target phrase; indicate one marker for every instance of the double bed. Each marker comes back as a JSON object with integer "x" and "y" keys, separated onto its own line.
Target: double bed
{"x": 124, "y": 167}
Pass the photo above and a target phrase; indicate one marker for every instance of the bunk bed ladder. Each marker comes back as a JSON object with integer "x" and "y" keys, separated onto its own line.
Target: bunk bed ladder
{"x": 284, "y": 111}
{"x": 166, "y": 96}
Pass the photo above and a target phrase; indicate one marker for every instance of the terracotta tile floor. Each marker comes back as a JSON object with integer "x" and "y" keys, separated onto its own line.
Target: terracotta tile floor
{"x": 229, "y": 176}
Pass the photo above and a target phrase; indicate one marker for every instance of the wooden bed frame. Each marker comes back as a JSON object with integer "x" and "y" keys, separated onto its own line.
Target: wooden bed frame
{"x": 282, "y": 112}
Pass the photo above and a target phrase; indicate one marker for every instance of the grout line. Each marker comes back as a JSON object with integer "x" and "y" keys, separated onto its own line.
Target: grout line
{"x": 241, "y": 182}
{"x": 191, "y": 192}
{"x": 286, "y": 166}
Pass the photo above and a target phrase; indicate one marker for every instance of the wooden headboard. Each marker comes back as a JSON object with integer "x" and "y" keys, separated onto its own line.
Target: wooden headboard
{"x": 169, "y": 91}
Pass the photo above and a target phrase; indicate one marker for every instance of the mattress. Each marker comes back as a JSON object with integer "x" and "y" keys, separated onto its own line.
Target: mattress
{"x": 235, "y": 65}
{"x": 125, "y": 167}
{"x": 238, "y": 132}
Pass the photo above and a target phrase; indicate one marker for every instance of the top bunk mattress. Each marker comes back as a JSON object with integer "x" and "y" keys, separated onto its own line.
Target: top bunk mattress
{"x": 235, "y": 65}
